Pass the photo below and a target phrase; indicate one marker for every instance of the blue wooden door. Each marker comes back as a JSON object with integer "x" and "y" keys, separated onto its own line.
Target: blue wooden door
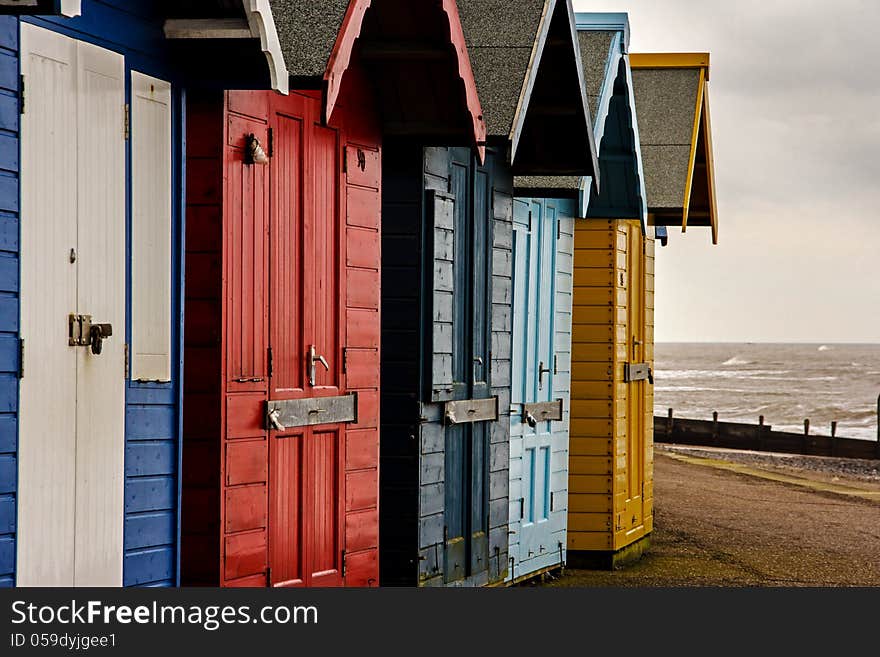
{"x": 467, "y": 445}
{"x": 533, "y": 370}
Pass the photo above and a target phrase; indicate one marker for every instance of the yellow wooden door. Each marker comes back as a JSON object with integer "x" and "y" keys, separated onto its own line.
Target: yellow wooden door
{"x": 636, "y": 390}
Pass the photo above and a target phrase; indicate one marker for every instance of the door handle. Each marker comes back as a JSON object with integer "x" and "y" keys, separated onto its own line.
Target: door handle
{"x": 314, "y": 359}
{"x": 478, "y": 362}
{"x": 541, "y": 372}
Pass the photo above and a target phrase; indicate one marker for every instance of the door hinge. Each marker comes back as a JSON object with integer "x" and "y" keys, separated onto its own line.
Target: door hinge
{"x": 345, "y": 161}
{"x": 269, "y": 577}
{"x": 555, "y": 364}
{"x": 127, "y": 363}
{"x": 552, "y": 500}
{"x": 558, "y": 229}
{"x": 530, "y": 221}
{"x": 343, "y": 563}
{"x": 126, "y": 128}
{"x": 21, "y": 358}
{"x": 270, "y": 358}
{"x": 21, "y": 101}
{"x": 271, "y": 144}
{"x": 345, "y": 360}
{"x": 522, "y": 508}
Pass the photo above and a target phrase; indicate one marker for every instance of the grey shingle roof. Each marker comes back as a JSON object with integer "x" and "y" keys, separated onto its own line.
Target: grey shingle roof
{"x": 595, "y": 48}
{"x": 307, "y": 30}
{"x": 501, "y": 35}
{"x": 666, "y": 106}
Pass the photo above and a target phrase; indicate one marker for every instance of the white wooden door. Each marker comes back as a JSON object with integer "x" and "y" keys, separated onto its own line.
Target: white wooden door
{"x": 72, "y": 406}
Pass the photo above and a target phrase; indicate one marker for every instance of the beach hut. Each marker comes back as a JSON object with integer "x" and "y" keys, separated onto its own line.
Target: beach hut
{"x": 281, "y": 447}
{"x": 446, "y": 297}
{"x": 92, "y": 219}
{"x": 603, "y": 41}
{"x": 611, "y": 462}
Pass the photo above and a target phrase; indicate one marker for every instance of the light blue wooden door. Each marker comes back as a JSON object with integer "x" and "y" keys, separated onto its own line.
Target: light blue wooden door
{"x": 534, "y": 309}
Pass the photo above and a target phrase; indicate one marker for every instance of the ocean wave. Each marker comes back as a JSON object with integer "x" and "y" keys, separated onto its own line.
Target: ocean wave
{"x": 824, "y": 347}
{"x": 736, "y": 360}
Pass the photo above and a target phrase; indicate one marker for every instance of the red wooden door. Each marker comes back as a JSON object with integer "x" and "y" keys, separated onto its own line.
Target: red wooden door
{"x": 306, "y": 482}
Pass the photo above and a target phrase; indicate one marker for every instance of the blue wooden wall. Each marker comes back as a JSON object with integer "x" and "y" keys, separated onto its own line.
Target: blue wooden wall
{"x": 9, "y": 153}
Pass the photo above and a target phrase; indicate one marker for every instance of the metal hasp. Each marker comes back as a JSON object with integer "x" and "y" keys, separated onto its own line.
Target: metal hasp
{"x": 289, "y": 413}
{"x": 83, "y": 333}
{"x": 637, "y": 372}
{"x": 471, "y": 410}
{"x": 542, "y": 412}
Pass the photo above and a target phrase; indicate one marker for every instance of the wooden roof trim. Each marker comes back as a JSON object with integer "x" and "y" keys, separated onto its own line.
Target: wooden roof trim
{"x": 71, "y": 8}
{"x": 710, "y": 164}
{"x": 671, "y": 60}
{"x": 525, "y": 94}
{"x": 692, "y": 158}
{"x": 640, "y": 168}
{"x": 262, "y": 24}
{"x": 340, "y": 60}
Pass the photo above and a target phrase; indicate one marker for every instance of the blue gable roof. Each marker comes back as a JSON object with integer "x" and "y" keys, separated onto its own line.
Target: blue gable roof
{"x": 622, "y": 193}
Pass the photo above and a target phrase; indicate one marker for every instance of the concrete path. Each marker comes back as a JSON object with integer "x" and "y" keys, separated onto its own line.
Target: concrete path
{"x": 720, "y": 523}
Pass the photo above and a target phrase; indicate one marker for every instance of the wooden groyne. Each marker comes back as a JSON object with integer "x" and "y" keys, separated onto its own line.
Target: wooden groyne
{"x": 759, "y": 437}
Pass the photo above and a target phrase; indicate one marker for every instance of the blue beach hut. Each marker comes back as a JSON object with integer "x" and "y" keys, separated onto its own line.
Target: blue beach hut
{"x": 91, "y": 230}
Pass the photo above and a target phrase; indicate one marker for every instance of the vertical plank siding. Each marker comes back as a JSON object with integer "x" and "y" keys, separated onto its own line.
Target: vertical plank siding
{"x": 9, "y": 300}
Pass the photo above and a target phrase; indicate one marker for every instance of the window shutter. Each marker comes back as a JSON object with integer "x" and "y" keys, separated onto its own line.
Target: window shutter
{"x": 150, "y": 229}
{"x": 441, "y": 208}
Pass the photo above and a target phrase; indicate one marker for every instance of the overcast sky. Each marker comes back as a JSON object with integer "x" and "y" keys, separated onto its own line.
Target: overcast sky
{"x": 795, "y": 97}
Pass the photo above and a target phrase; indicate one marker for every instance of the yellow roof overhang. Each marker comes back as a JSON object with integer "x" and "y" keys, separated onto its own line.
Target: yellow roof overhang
{"x": 696, "y": 186}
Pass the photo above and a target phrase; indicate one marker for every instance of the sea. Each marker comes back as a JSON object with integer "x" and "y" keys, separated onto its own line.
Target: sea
{"x": 786, "y": 383}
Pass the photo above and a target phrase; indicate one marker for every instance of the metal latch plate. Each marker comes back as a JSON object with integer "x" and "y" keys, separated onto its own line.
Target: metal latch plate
{"x": 291, "y": 413}
{"x": 79, "y": 330}
{"x": 543, "y": 411}
{"x": 471, "y": 410}
{"x": 636, "y": 372}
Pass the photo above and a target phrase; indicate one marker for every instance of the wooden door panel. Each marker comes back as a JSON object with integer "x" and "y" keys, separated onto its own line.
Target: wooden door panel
{"x": 325, "y": 522}
{"x": 481, "y": 270}
{"x": 479, "y": 502}
{"x": 322, "y": 225}
{"x": 636, "y": 391}
{"x": 286, "y": 512}
{"x": 247, "y": 231}
{"x": 287, "y": 315}
{"x": 456, "y": 503}
{"x": 47, "y": 443}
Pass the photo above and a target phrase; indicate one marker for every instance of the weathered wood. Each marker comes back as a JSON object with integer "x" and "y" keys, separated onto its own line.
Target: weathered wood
{"x": 471, "y": 410}
{"x": 758, "y": 437}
